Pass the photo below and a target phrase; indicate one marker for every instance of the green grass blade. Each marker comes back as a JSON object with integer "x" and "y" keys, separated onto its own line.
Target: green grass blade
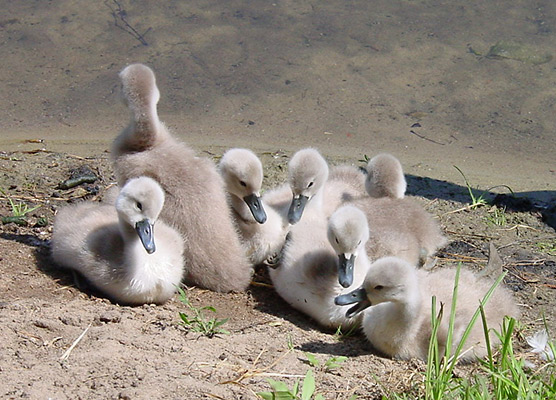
{"x": 471, "y": 323}
{"x": 313, "y": 361}
{"x": 308, "y": 386}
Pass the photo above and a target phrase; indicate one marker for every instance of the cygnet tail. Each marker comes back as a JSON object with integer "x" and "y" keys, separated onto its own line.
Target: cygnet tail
{"x": 141, "y": 95}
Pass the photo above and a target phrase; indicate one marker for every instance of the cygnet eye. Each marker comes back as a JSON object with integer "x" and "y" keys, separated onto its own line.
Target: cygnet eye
{"x": 139, "y": 206}
{"x": 310, "y": 184}
{"x": 359, "y": 243}
{"x": 337, "y": 241}
{"x": 242, "y": 183}
{"x": 379, "y": 287}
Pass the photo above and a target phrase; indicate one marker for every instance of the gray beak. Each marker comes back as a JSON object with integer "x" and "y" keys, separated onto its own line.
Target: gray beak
{"x": 358, "y": 296}
{"x": 145, "y": 230}
{"x": 296, "y": 208}
{"x": 345, "y": 270}
{"x": 256, "y": 206}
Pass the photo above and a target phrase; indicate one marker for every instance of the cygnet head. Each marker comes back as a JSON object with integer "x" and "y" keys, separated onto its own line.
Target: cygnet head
{"x": 139, "y": 88}
{"x": 389, "y": 279}
{"x": 307, "y": 174}
{"x": 139, "y": 204}
{"x": 348, "y": 231}
{"x": 243, "y": 175}
{"x": 385, "y": 177}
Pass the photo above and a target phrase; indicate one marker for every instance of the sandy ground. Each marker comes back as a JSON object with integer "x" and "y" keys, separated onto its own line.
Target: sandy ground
{"x": 352, "y": 79}
{"x": 143, "y": 352}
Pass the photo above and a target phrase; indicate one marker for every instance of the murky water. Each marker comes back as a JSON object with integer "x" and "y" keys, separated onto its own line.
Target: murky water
{"x": 420, "y": 79}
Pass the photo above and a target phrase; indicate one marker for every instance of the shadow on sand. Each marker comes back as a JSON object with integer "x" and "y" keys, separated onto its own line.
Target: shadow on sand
{"x": 542, "y": 201}
{"x": 45, "y": 264}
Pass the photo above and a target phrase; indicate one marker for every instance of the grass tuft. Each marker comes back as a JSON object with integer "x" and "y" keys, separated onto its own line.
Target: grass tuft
{"x": 502, "y": 375}
{"x": 198, "y": 321}
{"x": 19, "y": 212}
{"x": 330, "y": 364}
{"x": 281, "y": 391}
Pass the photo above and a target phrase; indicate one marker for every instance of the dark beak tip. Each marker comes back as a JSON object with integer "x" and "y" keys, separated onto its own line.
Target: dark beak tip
{"x": 297, "y": 207}
{"x": 345, "y": 283}
{"x": 294, "y": 217}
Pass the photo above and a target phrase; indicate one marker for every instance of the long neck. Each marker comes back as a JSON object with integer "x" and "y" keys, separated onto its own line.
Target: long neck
{"x": 144, "y": 129}
{"x": 362, "y": 265}
{"x": 143, "y": 111}
{"x": 131, "y": 240}
{"x": 404, "y": 314}
{"x": 317, "y": 200}
{"x": 410, "y": 308}
{"x": 240, "y": 208}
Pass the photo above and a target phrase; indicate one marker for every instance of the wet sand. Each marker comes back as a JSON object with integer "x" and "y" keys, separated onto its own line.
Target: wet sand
{"x": 351, "y": 79}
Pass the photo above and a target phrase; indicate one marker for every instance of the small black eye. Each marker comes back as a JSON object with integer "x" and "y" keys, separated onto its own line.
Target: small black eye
{"x": 379, "y": 287}
{"x": 139, "y": 206}
{"x": 310, "y": 184}
{"x": 242, "y": 183}
{"x": 337, "y": 241}
{"x": 359, "y": 243}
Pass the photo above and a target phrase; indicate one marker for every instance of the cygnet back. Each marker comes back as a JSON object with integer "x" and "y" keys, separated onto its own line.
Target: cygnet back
{"x": 385, "y": 177}
{"x": 196, "y": 202}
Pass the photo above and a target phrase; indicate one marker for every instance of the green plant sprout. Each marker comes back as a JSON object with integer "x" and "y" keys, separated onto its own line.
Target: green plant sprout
{"x": 209, "y": 327}
{"x": 365, "y": 159}
{"x": 281, "y": 391}
{"x": 340, "y": 335}
{"x": 477, "y": 201}
{"x": 548, "y": 247}
{"x": 330, "y": 363}
{"x": 497, "y": 216}
{"x": 19, "y": 211}
{"x": 290, "y": 343}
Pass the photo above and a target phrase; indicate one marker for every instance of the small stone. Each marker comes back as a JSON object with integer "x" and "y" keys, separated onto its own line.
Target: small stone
{"x": 110, "y": 317}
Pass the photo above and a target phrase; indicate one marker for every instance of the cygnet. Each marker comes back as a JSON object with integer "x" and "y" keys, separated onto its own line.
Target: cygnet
{"x": 196, "y": 203}
{"x": 123, "y": 251}
{"x": 395, "y": 300}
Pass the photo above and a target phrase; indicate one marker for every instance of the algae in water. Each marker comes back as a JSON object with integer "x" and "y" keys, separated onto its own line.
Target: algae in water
{"x": 515, "y": 51}
{"x": 518, "y": 51}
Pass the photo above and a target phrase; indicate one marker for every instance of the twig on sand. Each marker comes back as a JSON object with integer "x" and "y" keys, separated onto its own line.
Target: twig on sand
{"x": 120, "y": 15}
{"x": 517, "y": 226}
{"x": 471, "y": 235}
{"x": 261, "y": 284}
{"x": 66, "y": 355}
{"x": 249, "y": 373}
{"x": 37, "y": 151}
{"x": 426, "y": 138}
{"x": 215, "y": 396}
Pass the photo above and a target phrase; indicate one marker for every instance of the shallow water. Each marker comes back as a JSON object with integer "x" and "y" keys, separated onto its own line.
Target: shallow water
{"x": 351, "y": 78}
